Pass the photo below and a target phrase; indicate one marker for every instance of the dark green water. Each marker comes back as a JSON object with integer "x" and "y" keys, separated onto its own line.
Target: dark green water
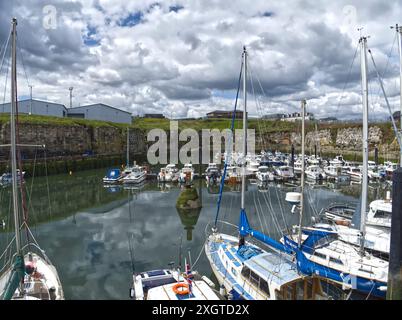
{"x": 86, "y": 227}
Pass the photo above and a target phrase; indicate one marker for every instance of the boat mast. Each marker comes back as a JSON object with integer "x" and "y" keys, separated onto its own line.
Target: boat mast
{"x": 303, "y": 106}
{"x": 243, "y": 181}
{"x": 399, "y": 37}
{"x": 128, "y": 147}
{"x": 363, "y": 57}
{"x": 13, "y": 138}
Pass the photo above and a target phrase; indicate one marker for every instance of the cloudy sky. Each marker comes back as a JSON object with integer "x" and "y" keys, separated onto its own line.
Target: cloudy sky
{"x": 182, "y": 58}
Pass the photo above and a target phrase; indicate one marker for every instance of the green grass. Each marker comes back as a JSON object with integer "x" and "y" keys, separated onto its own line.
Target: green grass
{"x": 58, "y": 121}
{"x": 220, "y": 124}
{"x": 147, "y": 124}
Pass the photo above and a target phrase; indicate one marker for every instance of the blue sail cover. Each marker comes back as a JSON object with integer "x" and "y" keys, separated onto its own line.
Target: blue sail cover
{"x": 245, "y": 230}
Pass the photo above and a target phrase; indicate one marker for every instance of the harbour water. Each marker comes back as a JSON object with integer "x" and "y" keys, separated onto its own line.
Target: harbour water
{"x": 86, "y": 227}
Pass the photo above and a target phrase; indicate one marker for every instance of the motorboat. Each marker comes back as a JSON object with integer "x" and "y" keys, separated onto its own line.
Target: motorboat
{"x": 187, "y": 173}
{"x": 137, "y": 175}
{"x": 379, "y": 215}
{"x": 355, "y": 174}
{"x": 264, "y": 174}
{"x": 212, "y": 173}
{"x": 233, "y": 174}
{"x": 340, "y": 213}
{"x": 297, "y": 167}
{"x": 338, "y": 161}
{"x": 315, "y": 173}
{"x": 376, "y": 173}
{"x": 390, "y": 167}
{"x": 252, "y": 167}
{"x": 170, "y": 173}
{"x": 333, "y": 171}
{"x": 113, "y": 176}
{"x": 6, "y": 178}
{"x": 284, "y": 173}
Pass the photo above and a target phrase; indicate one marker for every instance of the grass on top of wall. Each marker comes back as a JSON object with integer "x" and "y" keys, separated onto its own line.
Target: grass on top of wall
{"x": 59, "y": 121}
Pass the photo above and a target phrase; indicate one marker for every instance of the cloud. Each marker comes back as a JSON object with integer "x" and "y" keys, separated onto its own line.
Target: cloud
{"x": 183, "y": 57}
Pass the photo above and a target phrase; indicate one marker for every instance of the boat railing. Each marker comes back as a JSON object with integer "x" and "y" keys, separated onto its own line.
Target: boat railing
{"x": 7, "y": 262}
{"x": 208, "y": 227}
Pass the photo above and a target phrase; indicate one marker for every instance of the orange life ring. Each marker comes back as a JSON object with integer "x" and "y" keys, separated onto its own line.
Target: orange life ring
{"x": 181, "y": 288}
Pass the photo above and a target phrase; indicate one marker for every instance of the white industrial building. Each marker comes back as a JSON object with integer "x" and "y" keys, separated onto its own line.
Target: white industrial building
{"x": 99, "y": 111}
{"x": 38, "y": 107}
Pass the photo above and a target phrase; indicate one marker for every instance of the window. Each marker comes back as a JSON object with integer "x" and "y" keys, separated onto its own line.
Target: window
{"x": 320, "y": 255}
{"x": 254, "y": 279}
{"x": 325, "y": 240}
{"x": 245, "y": 272}
{"x": 335, "y": 260}
{"x": 382, "y": 214}
{"x": 234, "y": 272}
{"x": 264, "y": 287}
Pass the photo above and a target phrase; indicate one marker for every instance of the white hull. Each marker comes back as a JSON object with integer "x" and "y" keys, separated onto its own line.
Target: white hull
{"x": 44, "y": 284}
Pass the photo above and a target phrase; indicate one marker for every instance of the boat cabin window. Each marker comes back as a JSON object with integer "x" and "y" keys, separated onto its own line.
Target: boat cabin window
{"x": 382, "y": 214}
{"x": 255, "y": 280}
{"x": 335, "y": 260}
{"x": 320, "y": 255}
{"x": 325, "y": 240}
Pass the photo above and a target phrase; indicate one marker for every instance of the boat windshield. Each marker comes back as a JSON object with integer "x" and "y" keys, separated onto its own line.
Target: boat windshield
{"x": 324, "y": 241}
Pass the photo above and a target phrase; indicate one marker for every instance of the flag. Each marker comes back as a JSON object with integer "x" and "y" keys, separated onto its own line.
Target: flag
{"x": 189, "y": 275}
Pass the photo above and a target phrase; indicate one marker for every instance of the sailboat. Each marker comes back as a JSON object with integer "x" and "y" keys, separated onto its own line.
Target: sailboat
{"x": 320, "y": 251}
{"x": 172, "y": 284}
{"x": 250, "y": 271}
{"x": 28, "y": 274}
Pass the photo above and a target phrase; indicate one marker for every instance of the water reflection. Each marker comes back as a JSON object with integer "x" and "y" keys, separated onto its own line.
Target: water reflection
{"x": 86, "y": 232}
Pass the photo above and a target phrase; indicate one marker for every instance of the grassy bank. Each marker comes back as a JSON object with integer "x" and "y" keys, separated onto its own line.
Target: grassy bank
{"x": 58, "y": 121}
{"x": 261, "y": 126}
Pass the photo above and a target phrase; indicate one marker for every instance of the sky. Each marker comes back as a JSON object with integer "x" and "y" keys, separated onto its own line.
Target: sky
{"x": 182, "y": 58}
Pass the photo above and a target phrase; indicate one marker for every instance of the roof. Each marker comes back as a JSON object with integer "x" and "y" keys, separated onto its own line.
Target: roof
{"x": 273, "y": 268}
{"x": 43, "y": 101}
{"x": 224, "y": 111}
{"x": 383, "y": 205}
{"x": 98, "y": 104}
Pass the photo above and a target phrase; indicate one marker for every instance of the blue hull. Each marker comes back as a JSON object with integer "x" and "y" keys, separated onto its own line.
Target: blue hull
{"x": 363, "y": 285}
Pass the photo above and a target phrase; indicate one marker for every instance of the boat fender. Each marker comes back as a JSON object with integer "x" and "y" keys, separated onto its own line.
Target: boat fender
{"x": 132, "y": 293}
{"x": 222, "y": 290}
{"x": 208, "y": 281}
